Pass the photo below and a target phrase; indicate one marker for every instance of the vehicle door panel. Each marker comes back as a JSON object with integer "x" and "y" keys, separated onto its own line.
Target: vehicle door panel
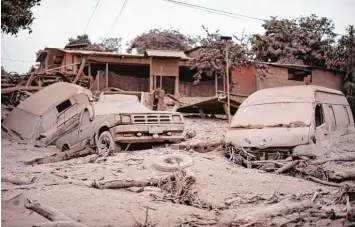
{"x": 86, "y": 128}
{"x": 322, "y": 134}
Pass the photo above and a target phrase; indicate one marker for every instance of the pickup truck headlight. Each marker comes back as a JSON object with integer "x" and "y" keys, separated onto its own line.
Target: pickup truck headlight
{"x": 125, "y": 119}
{"x": 176, "y": 119}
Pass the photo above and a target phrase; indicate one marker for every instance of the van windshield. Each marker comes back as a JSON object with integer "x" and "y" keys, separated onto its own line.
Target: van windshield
{"x": 273, "y": 115}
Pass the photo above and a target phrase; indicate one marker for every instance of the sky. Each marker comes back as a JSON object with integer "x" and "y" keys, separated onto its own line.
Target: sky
{"x": 57, "y": 20}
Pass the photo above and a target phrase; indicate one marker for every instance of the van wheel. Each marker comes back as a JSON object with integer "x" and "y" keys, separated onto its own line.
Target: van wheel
{"x": 65, "y": 148}
{"x": 106, "y": 145}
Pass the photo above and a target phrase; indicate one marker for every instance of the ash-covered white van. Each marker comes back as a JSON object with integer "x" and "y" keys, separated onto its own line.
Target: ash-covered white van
{"x": 292, "y": 120}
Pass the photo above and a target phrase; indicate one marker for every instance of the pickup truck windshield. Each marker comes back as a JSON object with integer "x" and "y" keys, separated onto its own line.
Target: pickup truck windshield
{"x": 273, "y": 115}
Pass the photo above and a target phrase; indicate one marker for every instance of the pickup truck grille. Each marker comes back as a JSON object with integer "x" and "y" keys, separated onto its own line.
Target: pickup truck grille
{"x": 151, "y": 119}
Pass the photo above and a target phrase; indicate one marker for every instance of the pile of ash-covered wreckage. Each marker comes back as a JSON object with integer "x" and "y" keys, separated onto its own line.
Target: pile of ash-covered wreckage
{"x": 288, "y": 130}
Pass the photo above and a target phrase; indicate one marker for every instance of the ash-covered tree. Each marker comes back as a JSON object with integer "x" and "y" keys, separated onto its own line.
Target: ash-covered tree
{"x": 304, "y": 40}
{"x": 111, "y": 44}
{"x": 105, "y": 44}
{"x": 17, "y": 15}
{"x": 159, "y": 39}
{"x": 342, "y": 57}
{"x": 84, "y": 38}
{"x": 3, "y": 71}
{"x": 211, "y": 59}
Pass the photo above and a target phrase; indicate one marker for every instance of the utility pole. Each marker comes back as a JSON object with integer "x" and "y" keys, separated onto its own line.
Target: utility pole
{"x": 226, "y": 38}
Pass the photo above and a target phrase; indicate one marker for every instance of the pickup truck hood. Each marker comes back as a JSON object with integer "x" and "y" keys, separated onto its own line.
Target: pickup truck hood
{"x": 268, "y": 137}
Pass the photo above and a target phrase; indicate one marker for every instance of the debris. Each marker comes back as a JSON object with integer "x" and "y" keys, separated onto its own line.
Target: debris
{"x": 198, "y": 146}
{"x": 52, "y": 215}
{"x": 190, "y": 134}
{"x": 146, "y": 222}
{"x": 288, "y": 167}
{"x": 324, "y": 182}
{"x": 286, "y": 206}
{"x": 16, "y": 202}
{"x": 59, "y": 224}
{"x": 18, "y": 179}
{"x": 63, "y": 156}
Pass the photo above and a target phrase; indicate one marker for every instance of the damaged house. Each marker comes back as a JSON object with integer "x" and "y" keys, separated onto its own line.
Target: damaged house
{"x": 171, "y": 71}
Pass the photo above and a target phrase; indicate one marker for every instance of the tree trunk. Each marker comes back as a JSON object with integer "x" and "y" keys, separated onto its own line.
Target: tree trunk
{"x": 63, "y": 156}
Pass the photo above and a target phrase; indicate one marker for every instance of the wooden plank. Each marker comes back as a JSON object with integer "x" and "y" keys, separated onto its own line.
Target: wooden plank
{"x": 23, "y": 88}
{"x": 81, "y": 69}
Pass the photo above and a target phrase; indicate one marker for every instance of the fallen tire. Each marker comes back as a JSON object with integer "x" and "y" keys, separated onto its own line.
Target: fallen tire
{"x": 173, "y": 162}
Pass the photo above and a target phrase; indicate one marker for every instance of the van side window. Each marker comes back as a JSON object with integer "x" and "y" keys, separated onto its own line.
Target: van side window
{"x": 347, "y": 114}
{"x": 334, "y": 123}
{"x": 64, "y": 105}
{"x": 319, "y": 116}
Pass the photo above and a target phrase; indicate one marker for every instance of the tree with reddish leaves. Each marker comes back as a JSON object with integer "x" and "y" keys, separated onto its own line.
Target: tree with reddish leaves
{"x": 211, "y": 60}
{"x": 159, "y": 39}
{"x": 305, "y": 40}
{"x": 342, "y": 57}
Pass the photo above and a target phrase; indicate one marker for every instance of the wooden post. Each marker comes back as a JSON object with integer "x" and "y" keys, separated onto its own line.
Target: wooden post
{"x": 151, "y": 79}
{"x": 161, "y": 82}
{"x": 98, "y": 81}
{"x": 89, "y": 70}
{"x": 216, "y": 83}
{"x": 177, "y": 83}
{"x": 106, "y": 80}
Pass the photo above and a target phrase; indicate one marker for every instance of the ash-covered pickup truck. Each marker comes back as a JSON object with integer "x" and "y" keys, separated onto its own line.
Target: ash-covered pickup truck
{"x": 111, "y": 123}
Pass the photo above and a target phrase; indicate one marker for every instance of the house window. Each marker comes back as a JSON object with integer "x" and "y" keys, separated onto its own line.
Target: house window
{"x": 299, "y": 75}
{"x": 319, "y": 116}
{"x": 64, "y": 105}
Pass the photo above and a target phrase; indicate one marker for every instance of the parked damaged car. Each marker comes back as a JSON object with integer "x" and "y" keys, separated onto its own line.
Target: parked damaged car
{"x": 51, "y": 111}
{"x": 109, "y": 124}
{"x": 295, "y": 120}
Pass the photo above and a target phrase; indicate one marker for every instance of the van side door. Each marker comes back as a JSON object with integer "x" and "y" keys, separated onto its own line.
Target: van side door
{"x": 322, "y": 135}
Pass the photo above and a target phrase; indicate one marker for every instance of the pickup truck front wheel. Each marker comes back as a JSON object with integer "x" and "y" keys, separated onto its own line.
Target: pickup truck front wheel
{"x": 106, "y": 145}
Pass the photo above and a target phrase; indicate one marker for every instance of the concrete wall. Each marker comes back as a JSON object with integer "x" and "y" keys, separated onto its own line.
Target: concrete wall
{"x": 277, "y": 77}
{"x": 327, "y": 79}
{"x": 243, "y": 80}
{"x": 202, "y": 89}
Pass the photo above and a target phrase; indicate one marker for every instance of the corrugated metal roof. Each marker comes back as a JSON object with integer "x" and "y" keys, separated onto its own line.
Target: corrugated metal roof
{"x": 89, "y": 52}
{"x": 41, "y": 101}
{"x": 166, "y": 54}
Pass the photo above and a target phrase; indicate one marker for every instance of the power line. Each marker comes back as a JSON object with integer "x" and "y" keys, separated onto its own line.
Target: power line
{"x": 7, "y": 54}
{"x": 117, "y": 18}
{"x": 92, "y": 14}
{"x": 9, "y": 59}
{"x": 216, "y": 11}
